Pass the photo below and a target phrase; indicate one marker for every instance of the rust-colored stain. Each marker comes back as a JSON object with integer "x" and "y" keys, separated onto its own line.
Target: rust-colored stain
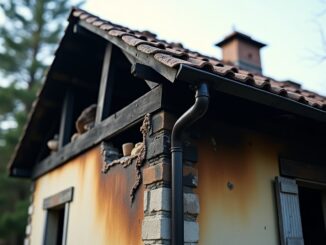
{"x": 101, "y": 212}
{"x": 235, "y": 186}
{"x": 138, "y": 158}
{"x": 114, "y": 211}
{"x": 227, "y": 165}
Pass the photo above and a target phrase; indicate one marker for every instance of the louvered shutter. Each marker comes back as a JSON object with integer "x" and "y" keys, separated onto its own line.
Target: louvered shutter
{"x": 287, "y": 196}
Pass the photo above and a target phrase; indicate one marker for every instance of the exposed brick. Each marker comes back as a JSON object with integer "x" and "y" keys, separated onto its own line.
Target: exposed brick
{"x": 191, "y": 203}
{"x": 162, "y": 120}
{"x": 146, "y": 200}
{"x": 191, "y": 232}
{"x": 156, "y": 227}
{"x": 28, "y": 229}
{"x": 158, "y": 144}
{"x": 190, "y": 170}
{"x": 190, "y": 176}
{"x": 30, "y": 209}
{"x": 158, "y": 172}
{"x": 157, "y": 242}
{"x": 27, "y": 241}
{"x": 162, "y": 172}
{"x": 160, "y": 200}
{"x": 190, "y": 153}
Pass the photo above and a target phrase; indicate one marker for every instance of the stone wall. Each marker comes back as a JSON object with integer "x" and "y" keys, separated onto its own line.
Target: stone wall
{"x": 28, "y": 230}
{"x": 156, "y": 227}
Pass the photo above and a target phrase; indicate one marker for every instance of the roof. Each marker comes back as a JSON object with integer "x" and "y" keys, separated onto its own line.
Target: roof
{"x": 173, "y": 55}
{"x": 241, "y": 36}
{"x": 147, "y": 48}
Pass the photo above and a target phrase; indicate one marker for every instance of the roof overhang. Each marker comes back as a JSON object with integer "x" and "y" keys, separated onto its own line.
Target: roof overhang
{"x": 234, "y": 88}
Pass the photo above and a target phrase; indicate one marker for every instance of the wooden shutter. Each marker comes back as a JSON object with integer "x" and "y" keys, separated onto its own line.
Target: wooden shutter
{"x": 287, "y": 196}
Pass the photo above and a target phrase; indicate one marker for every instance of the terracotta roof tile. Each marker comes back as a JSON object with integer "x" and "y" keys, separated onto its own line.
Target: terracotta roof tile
{"x": 149, "y": 49}
{"x": 174, "y": 54}
{"x": 170, "y": 61}
{"x": 279, "y": 91}
{"x": 243, "y": 78}
{"x": 223, "y": 71}
{"x": 117, "y": 33}
{"x": 106, "y": 27}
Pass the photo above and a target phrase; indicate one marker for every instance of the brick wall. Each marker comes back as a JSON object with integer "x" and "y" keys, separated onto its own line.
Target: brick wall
{"x": 156, "y": 227}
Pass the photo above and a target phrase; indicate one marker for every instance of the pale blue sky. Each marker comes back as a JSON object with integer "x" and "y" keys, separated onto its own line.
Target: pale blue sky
{"x": 288, "y": 27}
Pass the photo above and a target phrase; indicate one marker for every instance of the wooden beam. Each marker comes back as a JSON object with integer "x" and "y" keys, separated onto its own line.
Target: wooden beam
{"x": 66, "y": 79}
{"x": 58, "y": 199}
{"x": 133, "y": 62}
{"x": 21, "y": 172}
{"x": 85, "y": 34}
{"x": 302, "y": 170}
{"x": 66, "y": 123}
{"x": 147, "y": 73}
{"x": 167, "y": 72}
{"x": 106, "y": 85}
{"x": 110, "y": 127}
{"x": 323, "y": 201}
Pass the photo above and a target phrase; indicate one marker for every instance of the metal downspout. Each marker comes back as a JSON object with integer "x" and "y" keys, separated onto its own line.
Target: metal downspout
{"x": 194, "y": 113}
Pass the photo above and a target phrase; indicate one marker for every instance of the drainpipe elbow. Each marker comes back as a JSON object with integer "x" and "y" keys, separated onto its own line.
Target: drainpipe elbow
{"x": 193, "y": 114}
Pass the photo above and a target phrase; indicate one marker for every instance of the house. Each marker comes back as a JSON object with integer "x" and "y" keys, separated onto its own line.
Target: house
{"x": 134, "y": 140}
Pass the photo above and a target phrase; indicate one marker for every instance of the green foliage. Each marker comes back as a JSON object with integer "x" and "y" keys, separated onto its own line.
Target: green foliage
{"x": 29, "y": 34}
{"x": 28, "y": 37}
{"x": 13, "y": 207}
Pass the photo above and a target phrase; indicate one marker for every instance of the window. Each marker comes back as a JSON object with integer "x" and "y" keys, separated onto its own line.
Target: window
{"x": 109, "y": 90}
{"x": 57, "y": 214}
{"x": 301, "y": 212}
{"x": 313, "y": 213}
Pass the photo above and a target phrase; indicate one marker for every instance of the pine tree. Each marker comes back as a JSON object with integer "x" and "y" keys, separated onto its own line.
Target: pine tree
{"x": 28, "y": 37}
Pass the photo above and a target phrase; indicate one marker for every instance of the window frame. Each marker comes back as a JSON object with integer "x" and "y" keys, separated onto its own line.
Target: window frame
{"x": 59, "y": 200}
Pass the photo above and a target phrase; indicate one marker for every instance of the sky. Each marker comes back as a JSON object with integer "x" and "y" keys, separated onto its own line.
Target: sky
{"x": 291, "y": 29}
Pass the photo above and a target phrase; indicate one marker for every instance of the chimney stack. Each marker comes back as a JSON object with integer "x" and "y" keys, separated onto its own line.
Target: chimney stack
{"x": 242, "y": 51}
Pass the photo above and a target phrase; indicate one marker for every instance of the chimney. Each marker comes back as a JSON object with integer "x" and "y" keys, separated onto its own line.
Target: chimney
{"x": 242, "y": 51}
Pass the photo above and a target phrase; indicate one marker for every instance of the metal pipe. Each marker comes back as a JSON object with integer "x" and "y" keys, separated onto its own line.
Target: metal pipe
{"x": 194, "y": 113}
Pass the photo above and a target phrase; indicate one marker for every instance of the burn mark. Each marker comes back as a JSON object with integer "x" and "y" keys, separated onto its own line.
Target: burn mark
{"x": 127, "y": 161}
{"x": 230, "y": 185}
{"x": 235, "y": 185}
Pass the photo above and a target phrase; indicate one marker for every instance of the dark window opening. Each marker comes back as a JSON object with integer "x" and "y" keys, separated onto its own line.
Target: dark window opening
{"x": 131, "y": 135}
{"x": 125, "y": 88}
{"x": 77, "y": 74}
{"x": 312, "y": 209}
{"x": 83, "y": 99}
{"x": 77, "y": 69}
{"x": 50, "y": 134}
{"x": 57, "y": 214}
{"x": 84, "y": 72}
{"x": 55, "y": 226}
